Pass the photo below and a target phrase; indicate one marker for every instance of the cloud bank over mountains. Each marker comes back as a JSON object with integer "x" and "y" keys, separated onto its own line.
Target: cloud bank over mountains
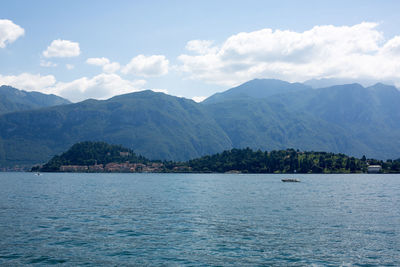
{"x": 358, "y": 52}
{"x": 29, "y": 82}
{"x": 102, "y": 86}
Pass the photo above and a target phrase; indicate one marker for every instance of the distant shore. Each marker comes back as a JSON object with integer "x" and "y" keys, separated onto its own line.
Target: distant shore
{"x": 99, "y": 157}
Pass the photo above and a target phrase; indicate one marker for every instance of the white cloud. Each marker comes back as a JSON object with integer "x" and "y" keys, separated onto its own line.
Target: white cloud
{"x": 112, "y": 67}
{"x": 198, "y": 98}
{"x": 355, "y": 52}
{"x": 29, "y": 82}
{"x": 47, "y": 64}
{"x": 392, "y": 47}
{"x": 69, "y": 66}
{"x": 9, "y": 32}
{"x": 147, "y": 66}
{"x": 62, "y": 48}
{"x": 108, "y": 67}
{"x": 101, "y": 86}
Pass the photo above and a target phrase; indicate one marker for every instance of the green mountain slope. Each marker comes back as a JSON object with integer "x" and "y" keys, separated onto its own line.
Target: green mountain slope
{"x": 155, "y": 125}
{"x": 346, "y": 119}
{"x": 12, "y": 99}
{"x": 260, "y": 124}
{"x": 370, "y": 116}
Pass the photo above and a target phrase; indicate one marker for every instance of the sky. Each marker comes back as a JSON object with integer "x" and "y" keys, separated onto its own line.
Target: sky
{"x": 193, "y": 49}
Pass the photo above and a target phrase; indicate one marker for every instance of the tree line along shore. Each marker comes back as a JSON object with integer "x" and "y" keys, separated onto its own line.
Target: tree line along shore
{"x": 103, "y": 157}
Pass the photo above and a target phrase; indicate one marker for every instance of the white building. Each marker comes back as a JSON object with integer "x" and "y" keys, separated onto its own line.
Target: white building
{"x": 374, "y": 168}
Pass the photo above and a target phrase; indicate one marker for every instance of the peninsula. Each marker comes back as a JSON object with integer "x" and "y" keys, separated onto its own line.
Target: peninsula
{"x": 102, "y": 157}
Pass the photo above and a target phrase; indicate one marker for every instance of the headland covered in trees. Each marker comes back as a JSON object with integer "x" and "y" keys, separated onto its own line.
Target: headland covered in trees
{"x": 103, "y": 157}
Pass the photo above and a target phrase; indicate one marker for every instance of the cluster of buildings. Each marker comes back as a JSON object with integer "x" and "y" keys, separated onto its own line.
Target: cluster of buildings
{"x": 115, "y": 167}
{"x": 15, "y": 169}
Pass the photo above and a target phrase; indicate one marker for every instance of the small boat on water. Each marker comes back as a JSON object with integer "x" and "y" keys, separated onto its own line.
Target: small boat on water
{"x": 38, "y": 174}
{"x": 290, "y": 180}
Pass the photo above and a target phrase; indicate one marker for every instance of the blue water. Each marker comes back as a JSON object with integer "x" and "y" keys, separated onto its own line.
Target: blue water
{"x": 199, "y": 219}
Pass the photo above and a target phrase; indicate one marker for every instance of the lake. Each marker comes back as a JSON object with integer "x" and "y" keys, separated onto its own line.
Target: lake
{"x": 199, "y": 219}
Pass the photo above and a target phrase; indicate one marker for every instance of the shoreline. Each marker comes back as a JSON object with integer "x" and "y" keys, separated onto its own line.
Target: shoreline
{"x": 238, "y": 173}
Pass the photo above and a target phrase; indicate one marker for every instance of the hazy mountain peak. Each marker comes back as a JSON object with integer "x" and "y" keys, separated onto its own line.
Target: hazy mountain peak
{"x": 381, "y": 86}
{"x": 348, "y": 86}
{"x": 13, "y": 99}
{"x": 328, "y": 82}
{"x": 257, "y": 88}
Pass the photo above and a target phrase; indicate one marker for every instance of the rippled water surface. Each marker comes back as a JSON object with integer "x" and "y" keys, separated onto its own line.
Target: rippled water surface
{"x": 199, "y": 219}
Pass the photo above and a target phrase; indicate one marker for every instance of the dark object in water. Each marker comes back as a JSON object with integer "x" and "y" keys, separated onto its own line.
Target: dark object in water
{"x": 290, "y": 180}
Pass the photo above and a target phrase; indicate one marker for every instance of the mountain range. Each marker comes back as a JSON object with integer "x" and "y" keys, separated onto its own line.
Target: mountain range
{"x": 261, "y": 114}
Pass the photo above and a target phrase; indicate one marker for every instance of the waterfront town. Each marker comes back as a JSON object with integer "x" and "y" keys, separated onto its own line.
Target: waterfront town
{"x": 115, "y": 167}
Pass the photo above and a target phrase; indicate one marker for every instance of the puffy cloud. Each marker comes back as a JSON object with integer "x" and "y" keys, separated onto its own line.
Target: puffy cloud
{"x": 356, "y": 52}
{"x": 198, "y": 98}
{"x": 112, "y": 67}
{"x": 69, "y": 66}
{"x": 147, "y": 66}
{"x": 109, "y": 67}
{"x": 62, "y": 48}
{"x": 392, "y": 47}
{"x": 29, "y": 82}
{"x": 9, "y": 32}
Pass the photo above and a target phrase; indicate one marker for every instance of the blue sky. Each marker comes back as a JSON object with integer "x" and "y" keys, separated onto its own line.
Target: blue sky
{"x": 97, "y": 49}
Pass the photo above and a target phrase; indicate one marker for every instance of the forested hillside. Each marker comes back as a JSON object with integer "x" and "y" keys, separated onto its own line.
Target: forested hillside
{"x": 287, "y": 161}
{"x": 155, "y": 125}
